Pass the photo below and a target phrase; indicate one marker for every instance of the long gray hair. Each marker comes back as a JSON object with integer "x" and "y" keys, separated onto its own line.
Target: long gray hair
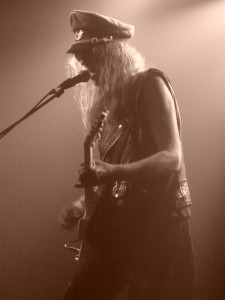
{"x": 120, "y": 63}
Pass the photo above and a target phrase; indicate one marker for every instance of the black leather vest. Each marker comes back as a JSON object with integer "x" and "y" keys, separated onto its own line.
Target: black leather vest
{"x": 126, "y": 143}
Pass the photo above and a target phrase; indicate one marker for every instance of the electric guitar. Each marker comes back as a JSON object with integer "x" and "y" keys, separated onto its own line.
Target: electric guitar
{"x": 91, "y": 139}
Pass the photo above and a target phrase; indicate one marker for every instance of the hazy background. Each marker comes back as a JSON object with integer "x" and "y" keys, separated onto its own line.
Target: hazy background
{"x": 39, "y": 158}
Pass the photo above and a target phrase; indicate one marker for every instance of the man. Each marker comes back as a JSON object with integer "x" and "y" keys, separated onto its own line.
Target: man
{"x": 138, "y": 234}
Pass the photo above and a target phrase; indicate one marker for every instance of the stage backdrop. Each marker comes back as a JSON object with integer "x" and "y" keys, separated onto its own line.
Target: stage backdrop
{"x": 40, "y": 157}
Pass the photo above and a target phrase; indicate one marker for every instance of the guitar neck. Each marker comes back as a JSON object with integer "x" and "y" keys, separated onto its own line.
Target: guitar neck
{"x": 88, "y": 156}
{"x": 91, "y": 139}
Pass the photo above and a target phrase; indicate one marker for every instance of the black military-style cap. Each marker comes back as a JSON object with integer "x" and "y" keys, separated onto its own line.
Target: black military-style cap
{"x": 91, "y": 29}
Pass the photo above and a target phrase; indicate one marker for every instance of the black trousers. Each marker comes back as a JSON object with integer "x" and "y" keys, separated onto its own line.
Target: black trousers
{"x": 160, "y": 268}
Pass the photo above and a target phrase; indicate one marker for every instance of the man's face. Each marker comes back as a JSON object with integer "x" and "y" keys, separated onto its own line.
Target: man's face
{"x": 87, "y": 59}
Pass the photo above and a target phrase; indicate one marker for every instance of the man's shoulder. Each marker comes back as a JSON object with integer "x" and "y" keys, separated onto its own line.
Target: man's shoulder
{"x": 151, "y": 72}
{"x": 152, "y": 75}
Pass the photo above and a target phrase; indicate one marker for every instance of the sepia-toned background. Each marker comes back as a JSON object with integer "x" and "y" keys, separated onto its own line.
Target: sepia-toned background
{"x": 39, "y": 158}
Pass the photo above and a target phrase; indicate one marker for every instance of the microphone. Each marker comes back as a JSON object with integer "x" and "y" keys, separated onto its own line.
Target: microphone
{"x": 83, "y": 76}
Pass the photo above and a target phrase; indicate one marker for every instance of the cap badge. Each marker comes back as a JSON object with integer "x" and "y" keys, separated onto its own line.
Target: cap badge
{"x": 78, "y": 35}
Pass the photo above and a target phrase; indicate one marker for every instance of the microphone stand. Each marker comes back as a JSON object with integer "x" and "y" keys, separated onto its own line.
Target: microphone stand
{"x": 40, "y": 104}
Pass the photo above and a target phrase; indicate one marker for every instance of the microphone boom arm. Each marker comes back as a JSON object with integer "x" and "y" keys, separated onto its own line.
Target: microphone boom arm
{"x": 39, "y": 105}
{"x": 83, "y": 76}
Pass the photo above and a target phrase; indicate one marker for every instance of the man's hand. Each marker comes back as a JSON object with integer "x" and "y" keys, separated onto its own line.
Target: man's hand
{"x": 71, "y": 213}
{"x": 100, "y": 173}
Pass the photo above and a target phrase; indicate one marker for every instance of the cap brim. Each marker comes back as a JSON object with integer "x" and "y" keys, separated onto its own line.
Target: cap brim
{"x": 79, "y": 46}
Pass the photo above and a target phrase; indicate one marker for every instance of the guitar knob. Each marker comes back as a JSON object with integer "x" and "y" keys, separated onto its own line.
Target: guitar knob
{"x": 77, "y": 256}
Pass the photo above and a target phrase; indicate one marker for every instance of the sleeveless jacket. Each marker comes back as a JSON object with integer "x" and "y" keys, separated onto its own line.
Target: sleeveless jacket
{"x": 124, "y": 205}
